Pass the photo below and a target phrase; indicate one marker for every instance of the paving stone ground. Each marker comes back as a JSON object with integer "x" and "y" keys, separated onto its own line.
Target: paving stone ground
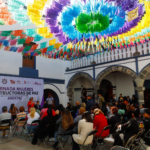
{"x": 21, "y": 144}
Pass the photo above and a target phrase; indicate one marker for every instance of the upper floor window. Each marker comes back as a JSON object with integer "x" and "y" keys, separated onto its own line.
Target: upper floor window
{"x": 28, "y": 61}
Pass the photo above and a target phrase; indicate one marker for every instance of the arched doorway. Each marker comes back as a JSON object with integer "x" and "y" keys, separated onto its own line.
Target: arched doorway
{"x": 79, "y": 85}
{"x": 48, "y": 92}
{"x": 121, "y": 78}
{"x": 106, "y": 89}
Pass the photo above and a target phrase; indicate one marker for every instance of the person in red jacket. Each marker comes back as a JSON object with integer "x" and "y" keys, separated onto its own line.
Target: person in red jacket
{"x": 46, "y": 114}
{"x": 30, "y": 104}
{"x": 99, "y": 123}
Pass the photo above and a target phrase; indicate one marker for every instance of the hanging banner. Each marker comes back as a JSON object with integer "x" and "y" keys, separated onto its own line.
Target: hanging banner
{"x": 16, "y": 90}
{"x": 133, "y": 14}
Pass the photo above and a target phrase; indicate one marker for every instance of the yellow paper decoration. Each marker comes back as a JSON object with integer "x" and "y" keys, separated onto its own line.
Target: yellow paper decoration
{"x": 45, "y": 32}
{"x": 57, "y": 45}
{"x": 52, "y": 42}
{"x": 69, "y": 45}
{"x": 34, "y": 11}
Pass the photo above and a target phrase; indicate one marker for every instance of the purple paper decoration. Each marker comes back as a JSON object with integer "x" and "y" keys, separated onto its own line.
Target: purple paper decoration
{"x": 62, "y": 38}
{"x": 51, "y": 21}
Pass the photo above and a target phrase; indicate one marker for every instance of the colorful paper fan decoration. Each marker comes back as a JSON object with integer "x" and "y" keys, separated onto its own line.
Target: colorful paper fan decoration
{"x": 75, "y": 27}
{"x": 5, "y": 15}
{"x": 19, "y": 13}
{"x": 90, "y": 19}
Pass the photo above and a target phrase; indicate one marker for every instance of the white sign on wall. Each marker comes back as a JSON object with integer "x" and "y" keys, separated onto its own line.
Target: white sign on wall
{"x": 16, "y": 90}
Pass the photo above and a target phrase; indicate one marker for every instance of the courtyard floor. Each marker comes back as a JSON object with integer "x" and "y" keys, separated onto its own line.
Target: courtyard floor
{"x": 21, "y": 144}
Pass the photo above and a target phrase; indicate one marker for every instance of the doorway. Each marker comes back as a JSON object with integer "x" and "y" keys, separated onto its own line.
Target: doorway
{"x": 50, "y": 92}
{"x": 106, "y": 89}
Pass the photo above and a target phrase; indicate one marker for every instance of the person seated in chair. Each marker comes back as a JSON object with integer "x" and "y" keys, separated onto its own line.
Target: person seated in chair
{"x": 85, "y": 126}
{"x": 78, "y": 118}
{"x": 127, "y": 130}
{"x": 114, "y": 118}
{"x": 64, "y": 122}
{"x": 3, "y": 116}
{"x": 99, "y": 123}
{"x": 46, "y": 127}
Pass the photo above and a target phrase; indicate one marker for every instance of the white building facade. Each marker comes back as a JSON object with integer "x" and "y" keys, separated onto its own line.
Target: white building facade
{"x": 117, "y": 72}
{"x": 123, "y": 71}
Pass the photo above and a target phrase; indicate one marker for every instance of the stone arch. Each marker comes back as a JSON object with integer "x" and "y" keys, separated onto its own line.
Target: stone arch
{"x": 112, "y": 69}
{"x": 74, "y": 78}
{"x": 144, "y": 72}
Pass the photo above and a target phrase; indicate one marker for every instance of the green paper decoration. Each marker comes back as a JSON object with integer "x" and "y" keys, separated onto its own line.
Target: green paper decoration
{"x": 95, "y": 22}
{"x": 6, "y": 33}
{"x": 13, "y": 37}
{"x": 27, "y": 48}
{"x": 21, "y": 41}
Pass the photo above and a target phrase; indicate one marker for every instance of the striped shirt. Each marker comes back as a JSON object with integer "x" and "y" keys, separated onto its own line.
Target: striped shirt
{"x": 21, "y": 115}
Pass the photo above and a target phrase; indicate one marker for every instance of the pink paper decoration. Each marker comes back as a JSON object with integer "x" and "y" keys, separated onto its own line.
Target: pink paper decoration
{"x": 13, "y": 42}
{"x": 20, "y": 49}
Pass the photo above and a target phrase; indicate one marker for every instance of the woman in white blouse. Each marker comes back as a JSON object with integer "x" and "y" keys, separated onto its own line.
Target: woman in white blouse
{"x": 85, "y": 126}
{"x": 33, "y": 115}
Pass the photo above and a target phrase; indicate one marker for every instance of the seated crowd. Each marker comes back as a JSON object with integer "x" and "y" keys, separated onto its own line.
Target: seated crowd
{"x": 78, "y": 121}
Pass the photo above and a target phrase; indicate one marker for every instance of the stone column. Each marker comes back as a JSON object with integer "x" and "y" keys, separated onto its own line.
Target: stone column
{"x": 140, "y": 89}
{"x": 69, "y": 94}
{"x": 96, "y": 91}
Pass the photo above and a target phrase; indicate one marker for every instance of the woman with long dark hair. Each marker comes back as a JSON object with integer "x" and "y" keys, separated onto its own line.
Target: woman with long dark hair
{"x": 13, "y": 110}
{"x": 85, "y": 126}
{"x": 64, "y": 122}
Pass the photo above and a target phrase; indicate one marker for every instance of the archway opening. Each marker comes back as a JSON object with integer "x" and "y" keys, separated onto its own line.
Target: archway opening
{"x": 81, "y": 87}
{"x": 106, "y": 89}
{"x": 50, "y": 92}
{"x": 117, "y": 83}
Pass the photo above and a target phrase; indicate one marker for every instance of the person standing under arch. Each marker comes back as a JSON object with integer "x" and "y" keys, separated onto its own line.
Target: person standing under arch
{"x": 101, "y": 100}
{"x": 50, "y": 100}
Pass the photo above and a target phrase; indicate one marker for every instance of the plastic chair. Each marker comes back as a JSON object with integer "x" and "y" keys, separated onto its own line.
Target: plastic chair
{"x": 65, "y": 136}
{"x": 127, "y": 146}
{"x": 43, "y": 140}
{"x": 99, "y": 138}
{"x": 18, "y": 125}
{"x": 30, "y": 130}
{"x": 89, "y": 146}
{"x": 6, "y": 121}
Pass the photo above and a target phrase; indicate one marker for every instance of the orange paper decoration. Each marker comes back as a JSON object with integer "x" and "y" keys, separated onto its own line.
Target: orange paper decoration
{"x": 29, "y": 39}
{"x": 34, "y": 47}
{"x": 5, "y": 15}
{"x": 18, "y": 32}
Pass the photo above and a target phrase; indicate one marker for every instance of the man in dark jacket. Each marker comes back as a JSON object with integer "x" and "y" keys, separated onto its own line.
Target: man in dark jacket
{"x": 90, "y": 102}
{"x": 38, "y": 105}
{"x": 127, "y": 130}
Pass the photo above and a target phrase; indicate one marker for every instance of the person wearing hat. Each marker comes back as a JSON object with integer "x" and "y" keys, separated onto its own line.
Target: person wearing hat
{"x": 90, "y": 102}
{"x": 100, "y": 100}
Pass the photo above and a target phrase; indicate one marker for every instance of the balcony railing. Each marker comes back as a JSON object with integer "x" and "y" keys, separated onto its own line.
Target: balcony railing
{"x": 116, "y": 54}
